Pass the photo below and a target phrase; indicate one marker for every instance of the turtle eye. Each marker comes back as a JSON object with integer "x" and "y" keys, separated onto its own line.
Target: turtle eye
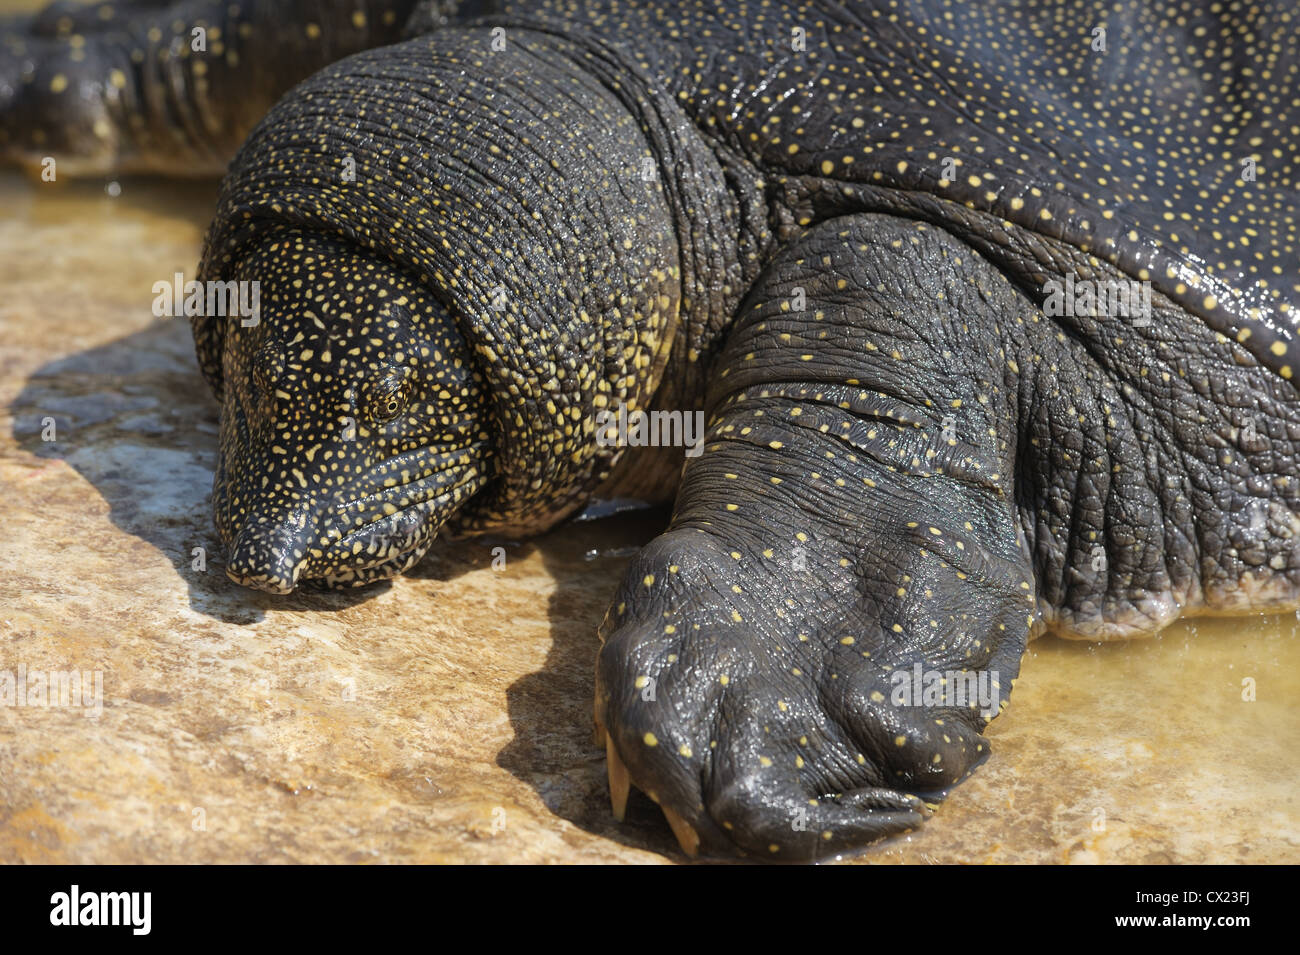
{"x": 389, "y": 397}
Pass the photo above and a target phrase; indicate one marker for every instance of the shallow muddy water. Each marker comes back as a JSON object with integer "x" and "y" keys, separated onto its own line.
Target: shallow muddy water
{"x": 445, "y": 716}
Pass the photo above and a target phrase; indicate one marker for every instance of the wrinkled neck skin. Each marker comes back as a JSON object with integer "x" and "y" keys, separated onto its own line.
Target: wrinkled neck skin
{"x": 553, "y": 262}
{"x": 716, "y": 202}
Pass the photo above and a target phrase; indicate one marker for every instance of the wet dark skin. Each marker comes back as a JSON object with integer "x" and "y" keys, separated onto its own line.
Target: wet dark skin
{"x": 831, "y": 227}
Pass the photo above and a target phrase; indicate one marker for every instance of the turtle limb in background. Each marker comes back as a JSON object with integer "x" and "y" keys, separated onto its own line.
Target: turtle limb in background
{"x": 158, "y": 87}
{"x": 852, "y": 517}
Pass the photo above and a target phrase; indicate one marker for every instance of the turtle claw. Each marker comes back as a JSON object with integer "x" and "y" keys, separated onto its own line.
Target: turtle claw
{"x": 619, "y": 782}
{"x": 686, "y": 835}
{"x": 620, "y": 785}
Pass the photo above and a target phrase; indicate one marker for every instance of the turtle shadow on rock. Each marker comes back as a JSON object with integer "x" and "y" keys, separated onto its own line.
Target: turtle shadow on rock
{"x": 550, "y": 710}
{"x": 135, "y": 420}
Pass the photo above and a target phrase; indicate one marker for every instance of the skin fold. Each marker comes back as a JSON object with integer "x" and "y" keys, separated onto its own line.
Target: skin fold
{"x": 837, "y": 230}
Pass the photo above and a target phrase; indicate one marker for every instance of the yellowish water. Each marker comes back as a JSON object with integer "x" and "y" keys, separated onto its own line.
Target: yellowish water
{"x": 446, "y": 715}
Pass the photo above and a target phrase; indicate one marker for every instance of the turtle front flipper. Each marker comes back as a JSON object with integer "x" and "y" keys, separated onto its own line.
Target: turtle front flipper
{"x": 806, "y": 660}
{"x": 148, "y": 86}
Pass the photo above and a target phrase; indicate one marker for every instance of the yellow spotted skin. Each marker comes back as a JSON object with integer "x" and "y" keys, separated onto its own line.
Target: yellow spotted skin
{"x": 146, "y": 87}
{"x": 557, "y": 259}
{"x": 831, "y": 227}
{"x": 1134, "y": 154}
{"x": 1152, "y": 146}
{"x": 352, "y": 423}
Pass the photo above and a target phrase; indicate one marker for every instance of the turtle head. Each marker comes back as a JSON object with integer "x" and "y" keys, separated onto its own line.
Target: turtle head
{"x": 454, "y": 284}
{"x": 354, "y": 423}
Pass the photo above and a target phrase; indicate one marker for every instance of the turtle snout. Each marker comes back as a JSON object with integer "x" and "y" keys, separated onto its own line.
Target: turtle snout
{"x": 268, "y": 558}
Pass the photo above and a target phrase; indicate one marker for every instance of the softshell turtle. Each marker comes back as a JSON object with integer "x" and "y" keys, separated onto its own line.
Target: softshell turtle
{"x": 990, "y": 308}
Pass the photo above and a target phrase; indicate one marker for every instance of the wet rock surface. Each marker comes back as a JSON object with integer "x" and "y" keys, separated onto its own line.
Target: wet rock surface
{"x": 446, "y": 716}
